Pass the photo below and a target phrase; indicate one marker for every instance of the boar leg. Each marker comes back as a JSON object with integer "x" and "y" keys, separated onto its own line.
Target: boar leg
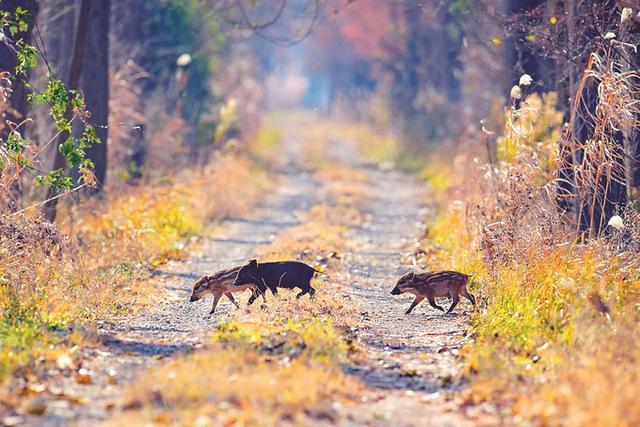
{"x": 456, "y": 300}
{"x": 232, "y": 299}
{"x": 432, "y": 303}
{"x": 254, "y": 295}
{"x": 257, "y": 292}
{"x": 274, "y": 291}
{"x": 216, "y": 298}
{"x": 470, "y": 297}
{"x": 415, "y": 302}
{"x": 252, "y": 298}
{"x": 306, "y": 289}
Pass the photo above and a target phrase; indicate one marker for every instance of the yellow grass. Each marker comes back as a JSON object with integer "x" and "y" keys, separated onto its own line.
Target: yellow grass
{"x": 102, "y": 272}
{"x": 543, "y": 351}
{"x": 226, "y": 386}
{"x": 278, "y": 365}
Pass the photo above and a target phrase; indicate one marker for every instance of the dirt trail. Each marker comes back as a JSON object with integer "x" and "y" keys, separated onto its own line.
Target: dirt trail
{"x": 410, "y": 359}
{"x": 413, "y": 355}
{"x": 173, "y": 325}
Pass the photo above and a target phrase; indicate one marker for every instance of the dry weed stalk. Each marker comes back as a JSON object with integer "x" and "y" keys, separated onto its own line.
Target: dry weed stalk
{"x": 605, "y": 104}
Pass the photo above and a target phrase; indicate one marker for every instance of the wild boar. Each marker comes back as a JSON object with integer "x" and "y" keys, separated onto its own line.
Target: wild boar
{"x": 273, "y": 275}
{"x": 434, "y": 284}
{"x": 219, "y": 284}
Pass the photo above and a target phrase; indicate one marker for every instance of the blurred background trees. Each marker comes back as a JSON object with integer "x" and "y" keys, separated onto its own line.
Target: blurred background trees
{"x": 168, "y": 82}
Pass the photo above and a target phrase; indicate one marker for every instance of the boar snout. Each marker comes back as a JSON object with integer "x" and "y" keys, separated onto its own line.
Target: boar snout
{"x": 193, "y": 298}
{"x": 396, "y": 291}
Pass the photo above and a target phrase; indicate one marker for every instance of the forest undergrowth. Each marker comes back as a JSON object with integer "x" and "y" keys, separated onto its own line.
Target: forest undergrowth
{"x": 95, "y": 264}
{"x": 557, "y": 324}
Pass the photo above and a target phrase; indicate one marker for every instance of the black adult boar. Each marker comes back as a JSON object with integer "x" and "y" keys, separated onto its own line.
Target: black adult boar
{"x": 272, "y": 275}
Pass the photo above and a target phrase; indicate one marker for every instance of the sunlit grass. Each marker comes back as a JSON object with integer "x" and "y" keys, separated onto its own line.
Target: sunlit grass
{"x": 543, "y": 347}
{"x": 282, "y": 363}
{"x": 112, "y": 241}
{"x": 228, "y": 386}
{"x": 266, "y": 142}
{"x": 555, "y": 338}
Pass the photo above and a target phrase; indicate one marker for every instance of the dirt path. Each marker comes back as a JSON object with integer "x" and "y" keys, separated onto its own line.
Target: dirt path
{"x": 173, "y": 325}
{"x": 410, "y": 360}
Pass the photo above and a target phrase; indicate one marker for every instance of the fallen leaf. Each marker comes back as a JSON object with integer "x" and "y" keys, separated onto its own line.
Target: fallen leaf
{"x": 36, "y": 406}
{"x": 83, "y": 376}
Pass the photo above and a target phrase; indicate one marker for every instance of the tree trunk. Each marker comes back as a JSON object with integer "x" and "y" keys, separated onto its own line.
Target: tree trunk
{"x": 94, "y": 84}
{"x": 630, "y": 34}
{"x": 520, "y": 53}
{"x": 75, "y": 71}
{"x": 19, "y": 107}
{"x": 8, "y": 61}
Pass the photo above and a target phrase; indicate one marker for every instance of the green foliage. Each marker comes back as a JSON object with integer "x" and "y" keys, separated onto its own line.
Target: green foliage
{"x": 15, "y": 21}
{"x": 21, "y": 330}
{"x": 14, "y": 143}
{"x": 55, "y": 178}
{"x": 186, "y": 30}
{"x": 65, "y": 106}
{"x": 57, "y": 97}
{"x": 27, "y": 57}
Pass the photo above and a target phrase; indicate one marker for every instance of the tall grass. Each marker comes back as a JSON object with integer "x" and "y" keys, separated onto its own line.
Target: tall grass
{"x": 555, "y": 339}
{"x": 557, "y": 329}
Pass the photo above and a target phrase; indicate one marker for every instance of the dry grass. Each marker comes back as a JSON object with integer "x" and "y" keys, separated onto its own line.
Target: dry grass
{"x": 48, "y": 289}
{"x": 275, "y": 366}
{"x": 556, "y": 339}
{"x": 235, "y": 387}
{"x": 154, "y": 221}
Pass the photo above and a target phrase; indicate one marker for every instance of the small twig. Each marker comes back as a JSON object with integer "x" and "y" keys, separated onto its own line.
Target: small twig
{"x": 73, "y": 190}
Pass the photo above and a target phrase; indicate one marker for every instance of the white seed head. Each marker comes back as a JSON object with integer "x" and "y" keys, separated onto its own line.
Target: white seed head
{"x": 525, "y": 80}
{"x": 516, "y": 92}
{"x": 627, "y": 13}
{"x": 183, "y": 60}
{"x": 616, "y": 222}
{"x": 610, "y": 36}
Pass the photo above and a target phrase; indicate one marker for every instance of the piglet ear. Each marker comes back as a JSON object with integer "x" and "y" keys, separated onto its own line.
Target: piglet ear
{"x": 411, "y": 275}
{"x": 253, "y": 263}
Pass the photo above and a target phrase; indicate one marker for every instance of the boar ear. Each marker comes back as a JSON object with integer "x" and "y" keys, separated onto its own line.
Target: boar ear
{"x": 411, "y": 275}
{"x": 253, "y": 263}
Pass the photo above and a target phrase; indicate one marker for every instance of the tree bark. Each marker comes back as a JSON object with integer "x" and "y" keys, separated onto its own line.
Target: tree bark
{"x": 8, "y": 61}
{"x": 94, "y": 84}
{"x": 50, "y": 206}
{"x": 520, "y": 54}
{"x": 18, "y": 112}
